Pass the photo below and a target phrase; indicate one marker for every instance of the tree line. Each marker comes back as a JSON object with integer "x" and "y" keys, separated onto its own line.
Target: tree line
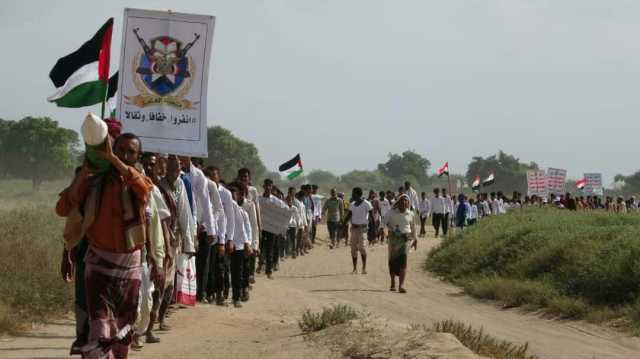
{"x": 38, "y": 149}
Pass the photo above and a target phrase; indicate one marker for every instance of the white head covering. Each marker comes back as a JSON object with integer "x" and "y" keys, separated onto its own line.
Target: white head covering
{"x": 94, "y": 130}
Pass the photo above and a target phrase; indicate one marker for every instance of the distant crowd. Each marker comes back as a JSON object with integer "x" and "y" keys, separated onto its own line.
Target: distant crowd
{"x": 154, "y": 233}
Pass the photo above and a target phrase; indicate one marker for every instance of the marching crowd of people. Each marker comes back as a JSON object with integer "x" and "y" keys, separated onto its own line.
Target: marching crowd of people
{"x": 156, "y": 232}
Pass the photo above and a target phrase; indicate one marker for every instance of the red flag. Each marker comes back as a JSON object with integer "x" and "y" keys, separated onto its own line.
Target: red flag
{"x": 444, "y": 170}
{"x": 581, "y": 183}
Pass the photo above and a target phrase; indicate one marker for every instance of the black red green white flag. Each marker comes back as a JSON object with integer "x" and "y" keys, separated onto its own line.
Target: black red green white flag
{"x": 444, "y": 170}
{"x": 476, "y": 184}
{"x": 489, "y": 180}
{"x": 82, "y": 77}
{"x": 292, "y": 168}
{"x": 581, "y": 183}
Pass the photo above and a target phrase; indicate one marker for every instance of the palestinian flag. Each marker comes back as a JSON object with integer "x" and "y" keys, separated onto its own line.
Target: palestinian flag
{"x": 581, "y": 183}
{"x": 292, "y": 168}
{"x": 475, "y": 186}
{"x": 444, "y": 170}
{"x": 82, "y": 77}
{"x": 489, "y": 180}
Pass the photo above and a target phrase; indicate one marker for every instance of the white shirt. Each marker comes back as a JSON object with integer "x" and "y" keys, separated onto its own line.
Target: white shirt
{"x": 385, "y": 207}
{"x": 473, "y": 213}
{"x": 424, "y": 208}
{"x": 242, "y": 230}
{"x": 227, "y": 203}
{"x": 301, "y": 213}
{"x": 486, "y": 208}
{"x": 448, "y": 205}
{"x": 273, "y": 200}
{"x": 413, "y": 198}
{"x": 360, "y": 214}
{"x": 202, "y": 200}
{"x": 250, "y": 208}
{"x": 185, "y": 226}
{"x": 404, "y": 222}
{"x": 219, "y": 214}
{"x": 317, "y": 205}
{"x": 437, "y": 205}
{"x": 495, "y": 206}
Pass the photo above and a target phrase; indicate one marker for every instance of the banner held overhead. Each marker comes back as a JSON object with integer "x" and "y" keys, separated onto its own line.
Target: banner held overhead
{"x": 164, "y": 67}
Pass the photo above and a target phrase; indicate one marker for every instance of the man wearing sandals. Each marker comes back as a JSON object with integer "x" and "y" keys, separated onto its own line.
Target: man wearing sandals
{"x": 401, "y": 222}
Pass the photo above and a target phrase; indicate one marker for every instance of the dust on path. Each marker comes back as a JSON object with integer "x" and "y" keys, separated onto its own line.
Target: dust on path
{"x": 267, "y": 326}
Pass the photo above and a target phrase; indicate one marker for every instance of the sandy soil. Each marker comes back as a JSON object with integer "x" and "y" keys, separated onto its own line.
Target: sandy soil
{"x": 267, "y": 326}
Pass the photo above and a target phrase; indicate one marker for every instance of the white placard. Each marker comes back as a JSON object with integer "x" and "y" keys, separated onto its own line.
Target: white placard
{"x": 537, "y": 183}
{"x": 274, "y": 218}
{"x": 162, "y": 88}
{"x": 556, "y": 179}
{"x": 593, "y": 185}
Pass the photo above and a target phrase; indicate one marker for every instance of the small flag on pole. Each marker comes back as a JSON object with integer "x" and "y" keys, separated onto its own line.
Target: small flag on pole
{"x": 81, "y": 78}
{"x": 489, "y": 180}
{"x": 475, "y": 186}
{"x": 292, "y": 168}
{"x": 581, "y": 183}
{"x": 444, "y": 170}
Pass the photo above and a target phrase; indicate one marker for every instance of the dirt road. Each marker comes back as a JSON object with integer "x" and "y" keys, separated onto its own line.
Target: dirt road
{"x": 266, "y": 327}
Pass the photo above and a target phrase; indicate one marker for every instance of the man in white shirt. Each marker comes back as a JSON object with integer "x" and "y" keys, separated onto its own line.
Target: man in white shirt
{"x": 218, "y": 284}
{"x": 413, "y": 196}
{"x": 437, "y": 206}
{"x": 448, "y": 212}
{"x": 424, "y": 209}
{"x": 244, "y": 177}
{"x": 269, "y": 235}
{"x": 207, "y": 231}
{"x": 359, "y": 212}
{"x": 385, "y": 207}
{"x": 472, "y": 215}
{"x": 240, "y": 246}
{"x": 303, "y": 222}
{"x": 317, "y": 210}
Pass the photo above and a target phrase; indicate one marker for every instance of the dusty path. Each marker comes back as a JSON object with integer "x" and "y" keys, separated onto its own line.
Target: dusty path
{"x": 266, "y": 326}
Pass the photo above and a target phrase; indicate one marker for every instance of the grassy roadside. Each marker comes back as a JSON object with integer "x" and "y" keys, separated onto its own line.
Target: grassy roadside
{"x": 31, "y": 290}
{"x": 573, "y": 265}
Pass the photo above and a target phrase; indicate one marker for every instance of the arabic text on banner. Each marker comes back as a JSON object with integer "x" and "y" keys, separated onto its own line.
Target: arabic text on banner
{"x": 537, "y": 183}
{"x": 162, "y": 89}
{"x": 273, "y": 218}
{"x": 556, "y": 179}
{"x": 593, "y": 185}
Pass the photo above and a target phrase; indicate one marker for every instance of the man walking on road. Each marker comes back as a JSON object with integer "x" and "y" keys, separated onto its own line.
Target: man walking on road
{"x": 359, "y": 212}
{"x": 335, "y": 213}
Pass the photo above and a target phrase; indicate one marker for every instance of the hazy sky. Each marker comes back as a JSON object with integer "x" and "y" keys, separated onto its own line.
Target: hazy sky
{"x": 345, "y": 82}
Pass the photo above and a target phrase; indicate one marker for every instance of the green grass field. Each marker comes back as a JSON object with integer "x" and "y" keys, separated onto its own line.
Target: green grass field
{"x": 580, "y": 265}
{"x": 31, "y": 290}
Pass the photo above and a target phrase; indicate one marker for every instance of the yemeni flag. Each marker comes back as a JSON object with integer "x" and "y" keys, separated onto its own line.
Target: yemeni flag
{"x": 475, "y": 186}
{"x": 292, "y": 168}
{"x": 444, "y": 170}
{"x": 82, "y": 77}
{"x": 581, "y": 183}
{"x": 489, "y": 180}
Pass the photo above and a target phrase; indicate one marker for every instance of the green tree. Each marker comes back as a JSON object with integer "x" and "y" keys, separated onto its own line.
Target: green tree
{"x": 324, "y": 179}
{"x": 367, "y": 180}
{"x": 409, "y": 163}
{"x": 4, "y": 132}
{"x": 36, "y": 148}
{"x": 230, "y": 154}
{"x": 510, "y": 173}
{"x": 630, "y": 184}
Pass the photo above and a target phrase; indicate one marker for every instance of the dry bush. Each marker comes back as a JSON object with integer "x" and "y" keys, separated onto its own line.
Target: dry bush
{"x": 482, "y": 343}
{"x": 334, "y": 315}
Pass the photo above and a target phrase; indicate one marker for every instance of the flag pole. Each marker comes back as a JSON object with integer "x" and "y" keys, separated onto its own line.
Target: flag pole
{"x": 104, "y": 100}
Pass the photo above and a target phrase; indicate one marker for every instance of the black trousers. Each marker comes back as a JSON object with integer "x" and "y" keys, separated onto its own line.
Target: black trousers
{"x": 314, "y": 223}
{"x": 291, "y": 241}
{"x": 445, "y": 224}
{"x": 217, "y": 268}
{"x": 276, "y": 249}
{"x": 239, "y": 278}
{"x": 268, "y": 243}
{"x": 423, "y": 221}
{"x": 437, "y": 219}
{"x": 203, "y": 259}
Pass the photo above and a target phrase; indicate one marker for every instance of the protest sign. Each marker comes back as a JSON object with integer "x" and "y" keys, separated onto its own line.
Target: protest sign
{"x": 556, "y": 179}
{"x": 593, "y": 185}
{"x": 274, "y": 218}
{"x": 537, "y": 183}
{"x": 164, "y": 67}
